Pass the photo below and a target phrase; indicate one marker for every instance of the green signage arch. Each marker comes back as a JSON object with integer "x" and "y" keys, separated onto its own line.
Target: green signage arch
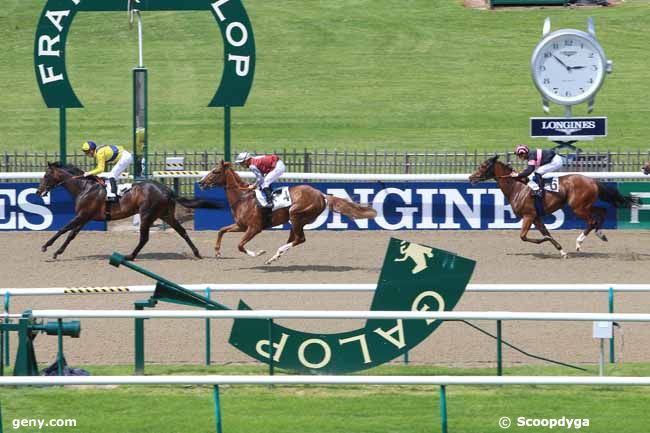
{"x": 58, "y": 15}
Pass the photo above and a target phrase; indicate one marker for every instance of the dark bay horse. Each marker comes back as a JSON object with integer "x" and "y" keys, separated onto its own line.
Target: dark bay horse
{"x": 307, "y": 204}
{"x": 646, "y": 168}
{"x": 580, "y": 192}
{"x": 150, "y": 199}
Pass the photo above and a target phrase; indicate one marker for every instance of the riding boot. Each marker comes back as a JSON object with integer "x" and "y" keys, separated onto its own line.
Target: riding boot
{"x": 111, "y": 190}
{"x": 539, "y": 192}
{"x": 268, "y": 195}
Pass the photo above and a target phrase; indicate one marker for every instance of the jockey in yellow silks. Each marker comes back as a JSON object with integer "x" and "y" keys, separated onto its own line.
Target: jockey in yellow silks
{"x": 108, "y": 154}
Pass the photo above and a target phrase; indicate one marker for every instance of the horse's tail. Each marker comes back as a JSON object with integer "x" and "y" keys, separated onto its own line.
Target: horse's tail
{"x": 197, "y": 203}
{"x": 611, "y": 195}
{"x": 350, "y": 208}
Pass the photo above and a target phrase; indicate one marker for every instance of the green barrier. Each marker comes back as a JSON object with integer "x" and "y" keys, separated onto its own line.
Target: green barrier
{"x": 635, "y": 218}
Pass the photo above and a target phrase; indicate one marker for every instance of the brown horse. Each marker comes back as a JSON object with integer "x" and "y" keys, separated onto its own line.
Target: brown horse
{"x": 646, "y": 168}
{"x": 579, "y": 192}
{"x": 150, "y": 199}
{"x": 307, "y": 204}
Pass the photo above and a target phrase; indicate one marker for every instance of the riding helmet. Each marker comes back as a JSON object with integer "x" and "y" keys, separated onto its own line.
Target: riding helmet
{"x": 522, "y": 149}
{"x": 89, "y": 145}
{"x": 243, "y": 156}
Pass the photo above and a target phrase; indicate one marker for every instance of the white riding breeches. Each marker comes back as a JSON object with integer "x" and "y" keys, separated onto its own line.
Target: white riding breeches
{"x": 554, "y": 165}
{"x": 274, "y": 174}
{"x": 120, "y": 166}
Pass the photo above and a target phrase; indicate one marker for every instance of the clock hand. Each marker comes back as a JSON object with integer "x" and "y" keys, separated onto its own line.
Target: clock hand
{"x": 576, "y": 67}
{"x": 561, "y": 62}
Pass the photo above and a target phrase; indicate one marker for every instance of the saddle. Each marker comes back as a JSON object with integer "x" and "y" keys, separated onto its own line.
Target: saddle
{"x": 281, "y": 198}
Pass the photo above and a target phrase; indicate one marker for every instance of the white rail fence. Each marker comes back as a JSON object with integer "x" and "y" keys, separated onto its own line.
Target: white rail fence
{"x": 281, "y": 287}
{"x": 365, "y": 177}
{"x": 216, "y": 380}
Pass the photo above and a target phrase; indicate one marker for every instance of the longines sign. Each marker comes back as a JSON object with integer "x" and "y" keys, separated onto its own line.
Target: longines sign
{"x": 568, "y": 128}
{"x": 410, "y": 206}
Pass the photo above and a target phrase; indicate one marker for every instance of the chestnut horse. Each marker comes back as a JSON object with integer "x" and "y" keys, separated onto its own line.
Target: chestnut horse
{"x": 307, "y": 204}
{"x": 580, "y": 192}
{"x": 150, "y": 199}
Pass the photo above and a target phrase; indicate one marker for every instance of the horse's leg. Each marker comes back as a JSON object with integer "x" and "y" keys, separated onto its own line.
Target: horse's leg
{"x": 526, "y": 223}
{"x": 228, "y": 229}
{"x": 146, "y": 219}
{"x": 250, "y": 233}
{"x": 547, "y": 236}
{"x": 592, "y": 222}
{"x": 296, "y": 238}
{"x": 173, "y": 223}
{"x": 73, "y": 233}
{"x": 600, "y": 215}
{"x": 73, "y": 222}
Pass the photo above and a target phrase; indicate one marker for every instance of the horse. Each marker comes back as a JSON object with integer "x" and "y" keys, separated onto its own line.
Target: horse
{"x": 580, "y": 192}
{"x": 646, "y": 168}
{"x": 307, "y": 205}
{"x": 150, "y": 199}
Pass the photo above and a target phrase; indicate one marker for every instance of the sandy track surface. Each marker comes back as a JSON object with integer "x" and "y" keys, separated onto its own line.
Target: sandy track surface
{"x": 332, "y": 257}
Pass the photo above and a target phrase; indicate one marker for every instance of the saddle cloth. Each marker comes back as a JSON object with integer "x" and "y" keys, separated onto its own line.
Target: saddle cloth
{"x": 122, "y": 188}
{"x": 281, "y": 198}
{"x": 553, "y": 186}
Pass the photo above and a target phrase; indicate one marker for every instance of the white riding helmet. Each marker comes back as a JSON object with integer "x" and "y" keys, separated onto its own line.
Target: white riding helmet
{"x": 243, "y": 156}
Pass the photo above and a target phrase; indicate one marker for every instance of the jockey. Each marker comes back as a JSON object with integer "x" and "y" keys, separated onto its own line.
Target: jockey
{"x": 266, "y": 168}
{"x": 541, "y": 161}
{"x": 108, "y": 154}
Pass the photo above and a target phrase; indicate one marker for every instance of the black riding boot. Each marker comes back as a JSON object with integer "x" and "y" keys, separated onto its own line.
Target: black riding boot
{"x": 268, "y": 194}
{"x": 113, "y": 184}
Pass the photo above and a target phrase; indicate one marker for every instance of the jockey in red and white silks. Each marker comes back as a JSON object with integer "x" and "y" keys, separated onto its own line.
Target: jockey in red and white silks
{"x": 266, "y": 168}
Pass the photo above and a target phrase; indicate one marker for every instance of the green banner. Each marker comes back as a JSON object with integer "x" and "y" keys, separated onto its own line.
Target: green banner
{"x": 637, "y": 217}
{"x": 57, "y": 16}
{"x": 413, "y": 278}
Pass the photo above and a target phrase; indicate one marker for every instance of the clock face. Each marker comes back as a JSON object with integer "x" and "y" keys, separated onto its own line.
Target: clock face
{"x": 568, "y": 67}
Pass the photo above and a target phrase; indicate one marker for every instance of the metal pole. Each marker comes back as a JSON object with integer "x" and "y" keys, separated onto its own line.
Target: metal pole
{"x": 271, "y": 348}
{"x": 406, "y": 357}
{"x": 443, "y": 408}
{"x": 63, "y": 153}
{"x": 611, "y": 340}
{"x": 217, "y": 408}
{"x": 226, "y": 133}
{"x": 139, "y": 343}
{"x": 208, "y": 347}
{"x": 499, "y": 350}
{"x": 59, "y": 356}
{"x": 6, "y": 332}
{"x": 601, "y": 358}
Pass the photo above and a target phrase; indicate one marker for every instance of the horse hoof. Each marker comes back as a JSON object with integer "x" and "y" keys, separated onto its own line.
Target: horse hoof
{"x": 578, "y": 248}
{"x": 55, "y": 255}
{"x": 259, "y": 253}
{"x": 218, "y": 254}
{"x": 43, "y": 248}
{"x": 563, "y": 254}
{"x": 130, "y": 258}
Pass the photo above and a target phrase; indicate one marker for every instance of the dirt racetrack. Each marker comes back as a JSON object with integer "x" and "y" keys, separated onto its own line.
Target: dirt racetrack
{"x": 333, "y": 257}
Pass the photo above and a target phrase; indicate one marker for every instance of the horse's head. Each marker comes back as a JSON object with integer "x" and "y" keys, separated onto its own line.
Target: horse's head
{"x": 216, "y": 177}
{"x": 55, "y": 175}
{"x": 489, "y": 169}
{"x": 646, "y": 168}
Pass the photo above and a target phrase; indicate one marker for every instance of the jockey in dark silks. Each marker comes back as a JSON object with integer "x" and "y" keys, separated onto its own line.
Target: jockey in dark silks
{"x": 540, "y": 162}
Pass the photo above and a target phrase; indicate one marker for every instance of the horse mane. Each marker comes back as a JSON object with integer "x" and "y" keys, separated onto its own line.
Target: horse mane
{"x": 238, "y": 179}
{"x": 73, "y": 170}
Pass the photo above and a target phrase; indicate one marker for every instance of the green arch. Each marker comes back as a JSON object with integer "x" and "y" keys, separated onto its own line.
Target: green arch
{"x": 57, "y": 17}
